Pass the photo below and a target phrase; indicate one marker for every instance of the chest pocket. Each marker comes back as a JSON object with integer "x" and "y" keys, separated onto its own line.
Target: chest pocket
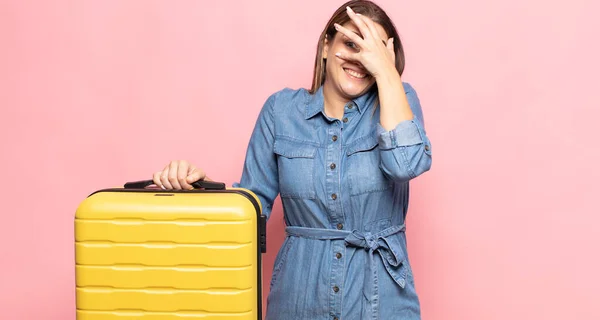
{"x": 364, "y": 173}
{"x": 296, "y": 162}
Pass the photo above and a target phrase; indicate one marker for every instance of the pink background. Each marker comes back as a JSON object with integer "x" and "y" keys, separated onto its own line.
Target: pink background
{"x": 94, "y": 93}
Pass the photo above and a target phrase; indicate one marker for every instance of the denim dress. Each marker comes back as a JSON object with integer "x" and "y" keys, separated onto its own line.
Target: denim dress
{"x": 344, "y": 187}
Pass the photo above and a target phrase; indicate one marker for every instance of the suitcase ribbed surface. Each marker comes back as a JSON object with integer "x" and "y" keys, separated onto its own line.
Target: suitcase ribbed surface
{"x": 159, "y": 255}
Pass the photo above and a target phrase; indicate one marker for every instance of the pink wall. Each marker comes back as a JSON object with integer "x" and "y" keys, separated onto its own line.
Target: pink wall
{"x": 504, "y": 226}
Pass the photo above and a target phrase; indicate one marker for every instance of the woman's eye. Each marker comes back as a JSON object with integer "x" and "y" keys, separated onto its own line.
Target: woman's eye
{"x": 351, "y": 45}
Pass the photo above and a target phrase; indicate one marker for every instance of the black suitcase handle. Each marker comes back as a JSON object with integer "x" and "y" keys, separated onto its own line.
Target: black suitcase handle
{"x": 200, "y": 184}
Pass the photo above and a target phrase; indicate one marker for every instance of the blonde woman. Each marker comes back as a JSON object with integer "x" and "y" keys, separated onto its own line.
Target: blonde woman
{"x": 341, "y": 156}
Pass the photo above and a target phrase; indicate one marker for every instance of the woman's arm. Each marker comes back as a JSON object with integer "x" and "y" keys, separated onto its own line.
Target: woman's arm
{"x": 403, "y": 142}
{"x": 260, "y": 173}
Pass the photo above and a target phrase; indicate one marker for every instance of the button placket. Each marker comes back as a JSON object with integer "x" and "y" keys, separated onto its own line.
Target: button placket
{"x": 334, "y": 152}
{"x": 349, "y": 112}
{"x": 334, "y": 204}
{"x": 337, "y": 279}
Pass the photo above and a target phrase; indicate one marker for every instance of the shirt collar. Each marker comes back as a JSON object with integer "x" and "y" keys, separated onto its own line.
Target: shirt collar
{"x": 315, "y": 103}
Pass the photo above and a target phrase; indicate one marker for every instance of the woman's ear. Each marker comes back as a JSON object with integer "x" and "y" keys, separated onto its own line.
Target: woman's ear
{"x": 325, "y": 47}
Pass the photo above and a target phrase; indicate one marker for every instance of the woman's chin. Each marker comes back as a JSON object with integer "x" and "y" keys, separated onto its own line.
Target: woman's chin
{"x": 354, "y": 91}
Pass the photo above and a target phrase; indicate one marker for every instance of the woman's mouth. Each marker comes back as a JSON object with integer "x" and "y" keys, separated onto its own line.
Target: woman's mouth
{"x": 355, "y": 74}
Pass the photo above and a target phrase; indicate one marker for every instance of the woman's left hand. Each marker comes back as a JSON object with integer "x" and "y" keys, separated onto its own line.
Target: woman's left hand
{"x": 375, "y": 54}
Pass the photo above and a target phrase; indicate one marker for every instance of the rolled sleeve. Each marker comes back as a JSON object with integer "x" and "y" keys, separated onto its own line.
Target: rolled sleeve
{"x": 406, "y": 133}
{"x": 406, "y": 149}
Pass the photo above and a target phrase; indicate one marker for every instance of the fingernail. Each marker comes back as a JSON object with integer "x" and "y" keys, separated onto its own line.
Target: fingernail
{"x": 337, "y": 54}
{"x": 349, "y": 9}
{"x": 163, "y": 187}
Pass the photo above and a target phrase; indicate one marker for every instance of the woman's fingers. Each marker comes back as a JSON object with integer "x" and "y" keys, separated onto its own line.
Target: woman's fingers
{"x": 390, "y": 47}
{"x": 195, "y": 174}
{"x": 351, "y": 35}
{"x": 164, "y": 178}
{"x": 178, "y": 175}
{"x": 360, "y": 24}
{"x": 352, "y": 57}
{"x": 156, "y": 179}
{"x": 172, "y": 176}
{"x": 373, "y": 30}
{"x": 182, "y": 173}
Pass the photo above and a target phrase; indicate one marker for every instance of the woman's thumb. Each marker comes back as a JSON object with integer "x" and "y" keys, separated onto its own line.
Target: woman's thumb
{"x": 195, "y": 175}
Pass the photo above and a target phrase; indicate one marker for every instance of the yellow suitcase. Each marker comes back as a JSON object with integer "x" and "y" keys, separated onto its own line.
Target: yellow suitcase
{"x": 153, "y": 254}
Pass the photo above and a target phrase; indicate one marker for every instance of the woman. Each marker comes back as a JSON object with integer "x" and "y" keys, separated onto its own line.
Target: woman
{"x": 341, "y": 156}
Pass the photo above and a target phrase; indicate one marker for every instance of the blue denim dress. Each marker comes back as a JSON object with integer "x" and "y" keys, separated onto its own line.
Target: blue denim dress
{"x": 344, "y": 186}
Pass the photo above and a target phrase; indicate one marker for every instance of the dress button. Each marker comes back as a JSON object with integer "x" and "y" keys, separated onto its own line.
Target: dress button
{"x": 332, "y": 166}
{"x": 336, "y": 289}
{"x": 426, "y": 148}
{"x": 340, "y": 226}
{"x": 335, "y": 318}
{"x": 334, "y": 196}
{"x": 334, "y": 138}
{"x": 338, "y": 255}
{"x": 350, "y": 106}
{"x": 345, "y": 120}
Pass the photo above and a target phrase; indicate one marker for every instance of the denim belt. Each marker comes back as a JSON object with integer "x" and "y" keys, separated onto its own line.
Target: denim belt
{"x": 373, "y": 242}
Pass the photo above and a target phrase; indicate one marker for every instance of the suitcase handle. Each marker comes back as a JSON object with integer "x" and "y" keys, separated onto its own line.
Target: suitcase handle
{"x": 200, "y": 184}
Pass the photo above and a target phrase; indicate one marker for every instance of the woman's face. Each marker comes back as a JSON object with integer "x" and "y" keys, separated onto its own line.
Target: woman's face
{"x": 346, "y": 78}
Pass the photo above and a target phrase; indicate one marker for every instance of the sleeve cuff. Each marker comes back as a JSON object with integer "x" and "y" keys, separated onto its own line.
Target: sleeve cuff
{"x": 406, "y": 133}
